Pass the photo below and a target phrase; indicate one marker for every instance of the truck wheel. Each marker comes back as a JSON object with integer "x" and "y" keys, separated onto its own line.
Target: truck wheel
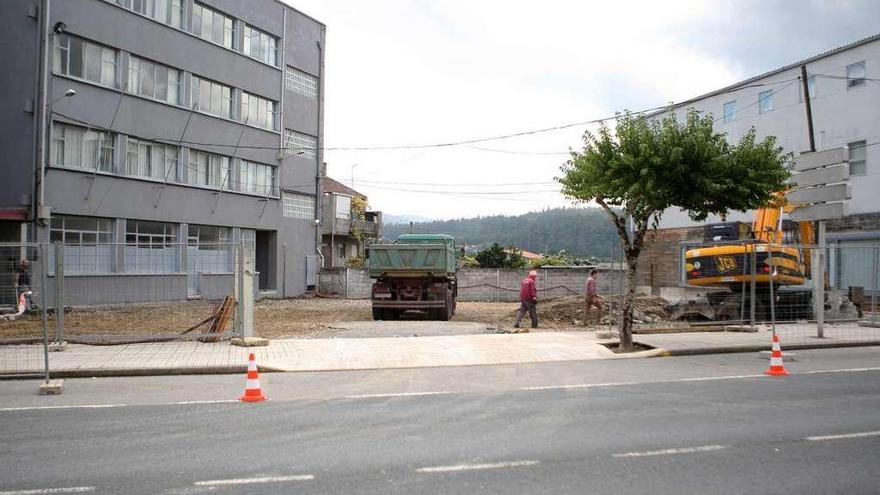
{"x": 377, "y": 314}
{"x": 443, "y": 313}
{"x": 390, "y": 314}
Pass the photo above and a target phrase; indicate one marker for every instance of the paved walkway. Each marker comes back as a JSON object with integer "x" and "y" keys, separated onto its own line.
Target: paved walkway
{"x": 404, "y": 352}
{"x": 309, "y": 354}
{"x": 794, "y": 335}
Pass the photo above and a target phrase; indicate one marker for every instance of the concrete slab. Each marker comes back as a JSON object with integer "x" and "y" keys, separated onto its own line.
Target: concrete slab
{"x": 52, "y": 387}
{"x": 407, "y": 328}
{"x": 249, "y": 342}
{"x": 461, "y": 350}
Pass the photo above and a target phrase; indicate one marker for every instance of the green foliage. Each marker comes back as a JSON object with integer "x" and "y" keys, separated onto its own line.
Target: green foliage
{"x": 579, "y": 231}
{"x": 356, "y": 263}
{"x": 651, "y": 164}
{"x": 563, "y": 258}
{"x": 496, "y": 257}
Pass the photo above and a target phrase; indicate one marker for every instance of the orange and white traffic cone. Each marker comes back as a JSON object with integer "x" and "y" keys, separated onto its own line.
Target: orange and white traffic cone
{"x": 776, "y": 367}
{"x": 252, "y": 392}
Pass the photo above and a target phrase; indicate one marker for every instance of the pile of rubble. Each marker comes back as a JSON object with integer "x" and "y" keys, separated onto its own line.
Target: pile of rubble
{"x": 570, "y": 310}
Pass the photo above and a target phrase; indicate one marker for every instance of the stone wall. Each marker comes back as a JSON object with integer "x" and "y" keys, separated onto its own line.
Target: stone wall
{"x": 482, "y": 284}
{"x": 660, "y": 263}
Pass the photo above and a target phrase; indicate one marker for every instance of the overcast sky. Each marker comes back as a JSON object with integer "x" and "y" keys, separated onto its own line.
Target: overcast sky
{"x": 412, "y": 72}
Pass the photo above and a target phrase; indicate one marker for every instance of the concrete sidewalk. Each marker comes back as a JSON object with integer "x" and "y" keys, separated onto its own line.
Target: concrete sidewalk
{"x": 306, "y": 354}
{"x": 791, "y": 336}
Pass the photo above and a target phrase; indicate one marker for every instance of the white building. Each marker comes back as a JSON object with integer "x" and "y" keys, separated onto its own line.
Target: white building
{"x": 844, "y": 87}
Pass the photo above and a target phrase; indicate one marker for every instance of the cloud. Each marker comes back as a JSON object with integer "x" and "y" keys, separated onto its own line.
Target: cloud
{"x": 405, "y": 72}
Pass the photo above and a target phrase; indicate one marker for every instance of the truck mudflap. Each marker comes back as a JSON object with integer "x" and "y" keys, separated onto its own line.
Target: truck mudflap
{"x": 380, "y": 303}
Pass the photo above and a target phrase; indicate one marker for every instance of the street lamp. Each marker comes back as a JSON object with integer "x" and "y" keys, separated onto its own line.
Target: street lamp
{"x": 67, "y": 94}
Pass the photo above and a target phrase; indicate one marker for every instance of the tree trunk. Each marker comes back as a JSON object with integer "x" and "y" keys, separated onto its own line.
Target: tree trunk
{"x": 626, "y": 312}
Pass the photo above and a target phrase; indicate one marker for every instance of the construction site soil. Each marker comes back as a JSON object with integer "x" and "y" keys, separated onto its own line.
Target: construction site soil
{"x": 293, "y": 318}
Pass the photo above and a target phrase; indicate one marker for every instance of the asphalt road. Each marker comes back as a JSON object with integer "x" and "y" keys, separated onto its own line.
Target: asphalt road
{"x": 642, "y": 426}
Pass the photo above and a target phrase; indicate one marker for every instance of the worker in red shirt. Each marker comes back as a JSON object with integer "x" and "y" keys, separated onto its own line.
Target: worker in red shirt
{"x": 593, "y": 299}
{"x": 528, "y": 300}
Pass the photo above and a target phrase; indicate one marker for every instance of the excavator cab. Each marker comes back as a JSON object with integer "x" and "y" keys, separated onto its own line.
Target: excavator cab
{"x": 727, "y": 231}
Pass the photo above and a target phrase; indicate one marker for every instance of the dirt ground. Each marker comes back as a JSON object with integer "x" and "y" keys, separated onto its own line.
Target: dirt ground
{"x": 313, "y": 317}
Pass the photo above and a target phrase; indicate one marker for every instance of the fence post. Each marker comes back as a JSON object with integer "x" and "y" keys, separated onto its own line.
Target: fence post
{"x": 818, "y": 276}
{"x": 247, "y": 292}
{"x": 497, "y": 284}
{"x": 753, "y": 295}
{"x": 346, "y": 282}
{"x": 59, "y": 297}
{"x": 874, "y": 285}
{"x": 772, "y": 299}
{"x": 44, "y": 301}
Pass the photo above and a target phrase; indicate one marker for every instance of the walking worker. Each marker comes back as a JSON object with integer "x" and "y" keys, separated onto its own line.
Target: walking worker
{"x": 528, "y": 300}
{"x": 593, "y": 299}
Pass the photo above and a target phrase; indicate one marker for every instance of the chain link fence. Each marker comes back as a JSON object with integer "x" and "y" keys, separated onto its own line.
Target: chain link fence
{"x": 801, "y": 291}
{"x": 147, "y": 290}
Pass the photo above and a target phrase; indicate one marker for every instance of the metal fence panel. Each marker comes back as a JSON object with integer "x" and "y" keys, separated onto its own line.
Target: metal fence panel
{"x": 122, "y": 292}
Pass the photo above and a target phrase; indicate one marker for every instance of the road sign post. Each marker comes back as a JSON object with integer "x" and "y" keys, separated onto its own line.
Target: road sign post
{"x": 821, "y": 189}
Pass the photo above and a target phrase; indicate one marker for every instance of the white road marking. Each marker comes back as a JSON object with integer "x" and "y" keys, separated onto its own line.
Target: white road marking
{"x": 451, "y": 392}
{"x": 472, "y": 467}
{"x": 683, "y": 450}
{"x": 40, "y": 408}
{"x": 262, "y": 479}
{"x": 400, "y": 394}
{"x": 40, "y": 491}
{"x": 845, "y": 435}
{"x": 847, "y": 370}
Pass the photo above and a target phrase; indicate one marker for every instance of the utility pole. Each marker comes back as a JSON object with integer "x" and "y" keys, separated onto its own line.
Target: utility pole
{"x": 808, "y": 107}
{"x": 817, "y": 258}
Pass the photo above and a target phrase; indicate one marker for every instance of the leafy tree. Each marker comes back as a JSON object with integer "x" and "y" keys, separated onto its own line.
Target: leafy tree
{"x": 496, "y": 257}
{"x": 651, "y": 164}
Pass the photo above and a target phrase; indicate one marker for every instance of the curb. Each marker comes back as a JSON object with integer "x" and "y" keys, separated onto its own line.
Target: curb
{"x": 697, "y": 351}
{"x": 123, "y": 372}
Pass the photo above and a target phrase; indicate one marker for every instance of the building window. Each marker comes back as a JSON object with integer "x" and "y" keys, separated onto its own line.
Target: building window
{"x": 765, "y": 101}
{"x": 301, "y": 83}
{"x": 87, "y": 243}
{"x": 148, "y": 159}
{"x": 855, "y": 74}
{"x": 209, "y": 250}
{"x": 258, "y": 111}
{"x": 811, "y": 87}
{"x": 154, "y": 80}
{"x": 295, "y": 205}
{"x": 85, "y": 60}
{"x": 257, "y": 178}
{"x": 858, "y": 158}
{"x": 729, "y": 111}
{"x": 262, "y": 46}
{"x": 343, "y": 207}
{"x": 213, "y": 26}
{"x": 212, "y": 97}
{"x": 208, "y": 169}
{"x": 165, "y": 11}
{"x": 297, "y": 143}
{"x": 151, "y": 247}
{"x": 77, "y": 147}
{"x": 340, "y": 250}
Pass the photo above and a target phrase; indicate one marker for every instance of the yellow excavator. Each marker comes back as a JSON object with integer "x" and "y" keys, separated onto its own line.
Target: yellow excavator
{"x": 730, "y": 250}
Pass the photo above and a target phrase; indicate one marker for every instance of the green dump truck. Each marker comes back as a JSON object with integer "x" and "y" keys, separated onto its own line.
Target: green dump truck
{"x": 415, "y": 272}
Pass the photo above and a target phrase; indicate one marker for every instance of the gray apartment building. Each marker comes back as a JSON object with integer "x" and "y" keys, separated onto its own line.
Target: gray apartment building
{"x": 164, "y": 123}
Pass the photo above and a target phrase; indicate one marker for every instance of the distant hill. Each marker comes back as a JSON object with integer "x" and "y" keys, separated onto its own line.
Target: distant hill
{"x": 580, "y": 231}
